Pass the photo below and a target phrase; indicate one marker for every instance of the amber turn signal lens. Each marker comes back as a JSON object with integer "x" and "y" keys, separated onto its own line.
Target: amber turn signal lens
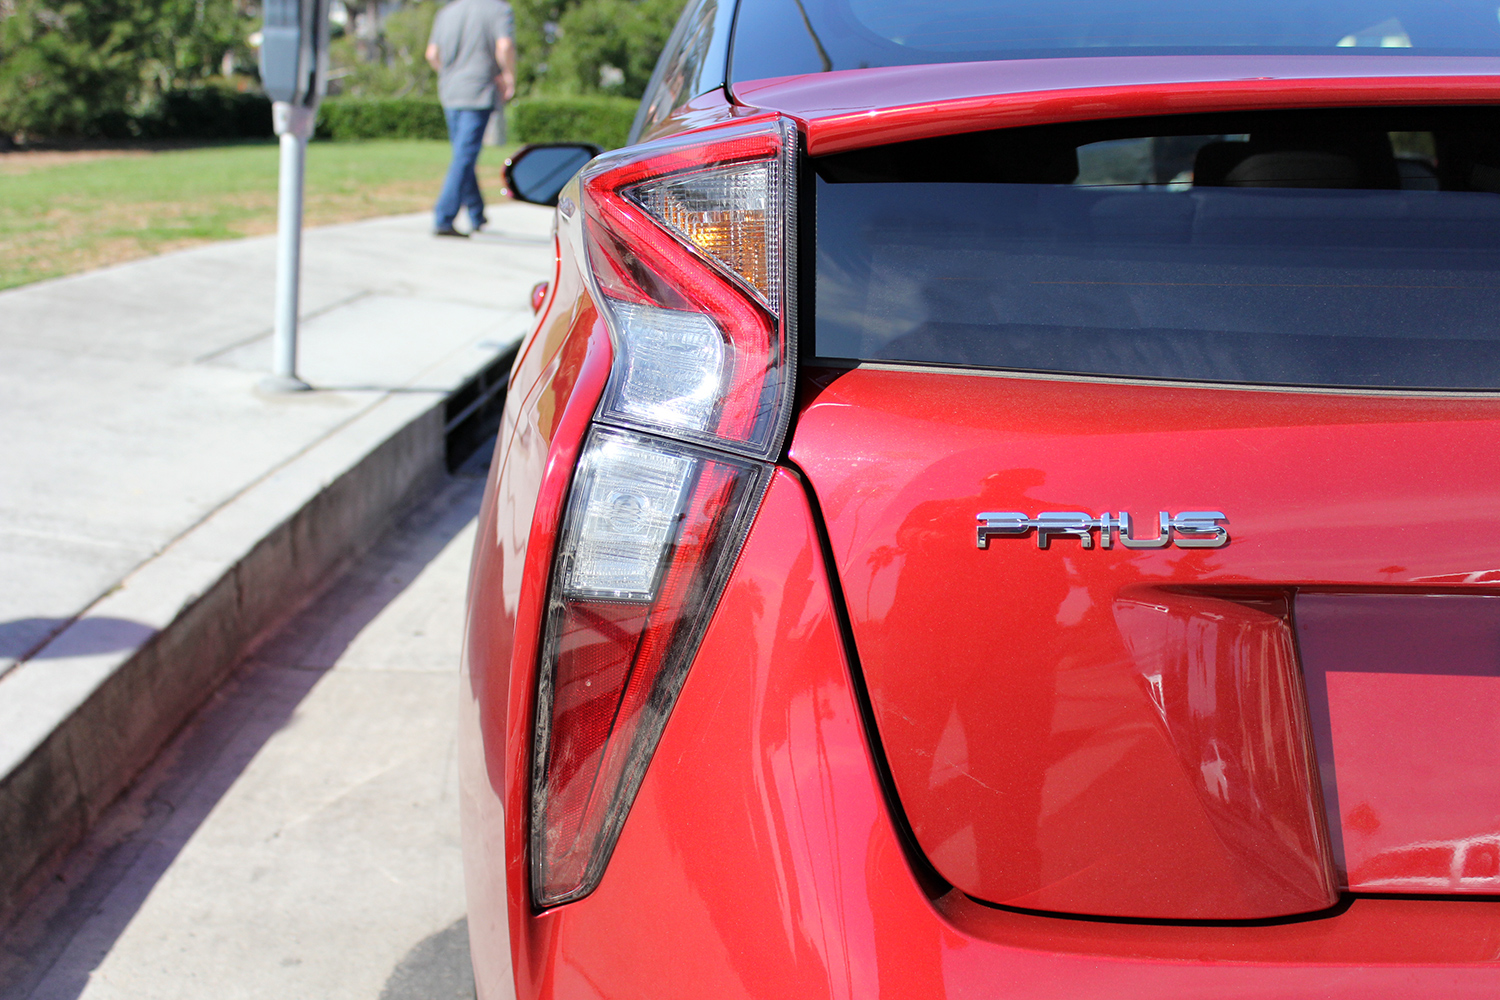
{"x": 725, "y": 213}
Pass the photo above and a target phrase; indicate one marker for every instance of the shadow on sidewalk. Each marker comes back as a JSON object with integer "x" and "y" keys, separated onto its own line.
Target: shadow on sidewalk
{"x": 50, "y": 950}
{"x": 27, "y": 638}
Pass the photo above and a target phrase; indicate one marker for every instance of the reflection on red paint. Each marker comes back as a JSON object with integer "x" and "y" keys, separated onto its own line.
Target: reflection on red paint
{"x": 1416, "y": 755}
{"x": 1362, "y": 818}
{"x": 1223, "y": 677}
{"x": 1481, "y": 860}
{"x": 1468, "y": 865}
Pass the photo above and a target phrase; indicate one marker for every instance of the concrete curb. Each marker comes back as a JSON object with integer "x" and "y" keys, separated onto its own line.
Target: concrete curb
{"x": 83, "y": 717}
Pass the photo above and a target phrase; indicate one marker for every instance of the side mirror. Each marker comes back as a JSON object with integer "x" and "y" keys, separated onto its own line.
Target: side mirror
{"x": 538, "y": 172}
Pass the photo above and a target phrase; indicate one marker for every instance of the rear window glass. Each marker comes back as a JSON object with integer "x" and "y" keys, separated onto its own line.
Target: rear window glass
{"x": 786, "y": 37}
{"x": 1347, "y": 248}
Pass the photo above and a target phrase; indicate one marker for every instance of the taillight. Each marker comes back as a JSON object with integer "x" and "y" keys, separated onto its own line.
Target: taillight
{"x": 689, "y": 257}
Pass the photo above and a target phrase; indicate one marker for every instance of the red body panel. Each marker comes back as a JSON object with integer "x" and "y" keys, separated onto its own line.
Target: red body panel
{"x": 851, "y": 109}
{"x": 1395, "y": 799}
{"x": 1053, "y": 744}
{"x": 703, "y": 111}
{"x": 760, "y": 861}
{"x": 1222, "y": 677}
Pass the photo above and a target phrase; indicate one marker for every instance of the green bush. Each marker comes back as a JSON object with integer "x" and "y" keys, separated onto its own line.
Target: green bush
{"x": 602, "y": 120}
{"x": 346, "y": 118}
{"x": 200, "y": 111}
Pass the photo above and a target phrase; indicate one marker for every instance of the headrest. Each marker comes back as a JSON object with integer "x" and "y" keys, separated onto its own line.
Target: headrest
{"x": 1332, "y": 159}
{"x": 1295, "y": 169}
{"x": 1214, "y": 160}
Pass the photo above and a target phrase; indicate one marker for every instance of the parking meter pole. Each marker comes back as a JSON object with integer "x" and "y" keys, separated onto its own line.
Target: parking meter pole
{"x": 294, "y": 72}
{"x": 294, "y": 125}
{"x": 288, "y": 257}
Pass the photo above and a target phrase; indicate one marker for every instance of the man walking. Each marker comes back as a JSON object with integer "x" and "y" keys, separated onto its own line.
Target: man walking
{"x": 475, "y": 59}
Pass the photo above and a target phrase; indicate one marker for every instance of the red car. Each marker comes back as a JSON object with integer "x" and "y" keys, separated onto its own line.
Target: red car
{"x": 1003, "y": 500}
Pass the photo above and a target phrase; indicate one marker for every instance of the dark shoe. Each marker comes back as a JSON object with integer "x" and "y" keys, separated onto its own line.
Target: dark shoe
{"x": 450, "y": 231}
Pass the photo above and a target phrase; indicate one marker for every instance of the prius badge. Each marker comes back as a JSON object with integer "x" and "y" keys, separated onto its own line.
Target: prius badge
{"x": 1192, "y": 529}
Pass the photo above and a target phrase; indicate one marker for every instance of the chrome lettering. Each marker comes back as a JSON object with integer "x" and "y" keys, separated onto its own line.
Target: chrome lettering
{"x": 1003, "y": 523}
{"x": 1163, "y": 533}
{"x": 1192, "y": 525}
{"x": 1191, "y": 529}
{"x": 1064, "y": 524}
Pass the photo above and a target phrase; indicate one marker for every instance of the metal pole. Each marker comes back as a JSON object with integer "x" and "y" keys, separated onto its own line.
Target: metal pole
{"x": 294, "y": 125}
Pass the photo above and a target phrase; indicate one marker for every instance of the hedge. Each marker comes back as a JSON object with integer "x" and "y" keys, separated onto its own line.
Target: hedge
{"x": 602, "y": 120}
{"x": 207, "y": 111}
{"x": 218, "y": 112}
{"x": 342, "y": 118}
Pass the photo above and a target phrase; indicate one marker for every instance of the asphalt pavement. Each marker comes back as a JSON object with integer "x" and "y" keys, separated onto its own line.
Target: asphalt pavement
{"x": 299, "y": 838}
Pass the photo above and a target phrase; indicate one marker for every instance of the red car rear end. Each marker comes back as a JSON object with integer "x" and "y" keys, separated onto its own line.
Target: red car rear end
{"x": 1014, "y": 527}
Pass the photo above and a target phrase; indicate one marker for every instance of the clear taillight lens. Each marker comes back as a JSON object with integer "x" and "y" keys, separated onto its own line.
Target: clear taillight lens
{"x": 687, "y": 255}
{"x": 671, "y": 369}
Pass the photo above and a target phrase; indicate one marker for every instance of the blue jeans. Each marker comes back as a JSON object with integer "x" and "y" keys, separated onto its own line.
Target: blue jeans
{"x": 461, "y": 187}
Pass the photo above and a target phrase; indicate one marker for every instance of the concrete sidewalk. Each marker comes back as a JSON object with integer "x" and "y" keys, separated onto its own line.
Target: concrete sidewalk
{"x": 158, "y": 511}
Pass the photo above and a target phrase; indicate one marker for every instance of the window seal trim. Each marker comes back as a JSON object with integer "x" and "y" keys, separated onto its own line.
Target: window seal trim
{"x": 936, "y": 368}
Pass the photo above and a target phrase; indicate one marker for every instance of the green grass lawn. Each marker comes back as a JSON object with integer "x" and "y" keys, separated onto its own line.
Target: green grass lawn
{"x": 67, "y": 212}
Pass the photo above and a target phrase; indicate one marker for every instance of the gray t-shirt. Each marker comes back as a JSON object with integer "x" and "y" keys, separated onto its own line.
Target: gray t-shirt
{"x": 465, "y": 33}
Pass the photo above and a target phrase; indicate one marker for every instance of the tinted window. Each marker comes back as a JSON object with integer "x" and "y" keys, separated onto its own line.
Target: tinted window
{"x": 1308, "y": 248}
{"x": 785, "y": 37}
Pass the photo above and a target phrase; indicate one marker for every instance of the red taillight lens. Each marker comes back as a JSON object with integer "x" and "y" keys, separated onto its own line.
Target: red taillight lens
{"x": 618, "y": 662}
{"x": 686, "y": 255}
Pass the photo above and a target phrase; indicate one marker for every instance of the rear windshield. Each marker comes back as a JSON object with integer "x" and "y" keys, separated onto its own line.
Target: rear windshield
{"x": 786, "y": 37}
{"x": 1346, "y": 248}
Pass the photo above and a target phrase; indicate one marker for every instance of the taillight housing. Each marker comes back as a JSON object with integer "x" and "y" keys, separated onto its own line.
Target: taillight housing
{"x": 688, "y": 250}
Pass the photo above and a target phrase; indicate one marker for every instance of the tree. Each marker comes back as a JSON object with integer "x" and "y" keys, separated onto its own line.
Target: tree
{"x": 191, "y": 38}
{"x": 563, "y": 47}
{"x": 535, "y": 32}
{"x": 394, "y": 65}
{"x": 63, "y": 66}
{"x": 609, "y": 46}
{"x": 84, "y": 67}
{"x": 590, "y": 46}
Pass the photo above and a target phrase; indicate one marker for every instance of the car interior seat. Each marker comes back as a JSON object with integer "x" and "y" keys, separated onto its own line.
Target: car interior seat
{"x": 1361, "y": 159}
